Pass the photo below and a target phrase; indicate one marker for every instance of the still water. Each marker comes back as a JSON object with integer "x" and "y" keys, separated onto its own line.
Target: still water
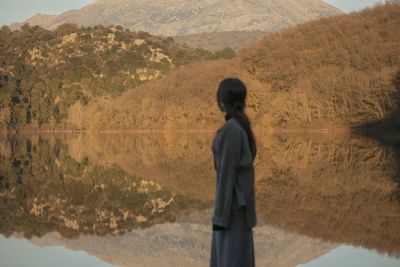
{"x": 147, "y": 199}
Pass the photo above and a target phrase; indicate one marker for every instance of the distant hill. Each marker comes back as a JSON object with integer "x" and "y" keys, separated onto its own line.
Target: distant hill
{"x": 328, "y": 73}
{"x": 43, "y": 73}
{"x": 214, "y": 41}
{"x": 184, "y": 17}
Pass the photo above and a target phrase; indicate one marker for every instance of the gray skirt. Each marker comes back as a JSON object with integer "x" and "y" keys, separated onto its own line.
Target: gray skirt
{"x": 233, "y": 247}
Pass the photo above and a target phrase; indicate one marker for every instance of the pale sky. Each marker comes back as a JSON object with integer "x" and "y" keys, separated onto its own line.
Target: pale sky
{"x": 20, "y": 10}
{"x": 351, "y": 5}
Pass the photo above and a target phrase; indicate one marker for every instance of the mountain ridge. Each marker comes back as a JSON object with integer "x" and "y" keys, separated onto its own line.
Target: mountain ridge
{"x": 190, "y": 17}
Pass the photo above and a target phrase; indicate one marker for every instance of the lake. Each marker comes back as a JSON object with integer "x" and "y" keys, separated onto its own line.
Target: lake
{"x": 146, "y": 200}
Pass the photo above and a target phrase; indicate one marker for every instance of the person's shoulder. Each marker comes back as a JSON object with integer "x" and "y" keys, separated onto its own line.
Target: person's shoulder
{"x": 233, "y": 127}
{"x": 232, "y": 124}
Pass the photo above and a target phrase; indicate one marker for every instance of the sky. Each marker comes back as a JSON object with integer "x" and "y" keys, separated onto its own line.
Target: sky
{"x": 351, "y": 5}
{"x": 19, "y": 10}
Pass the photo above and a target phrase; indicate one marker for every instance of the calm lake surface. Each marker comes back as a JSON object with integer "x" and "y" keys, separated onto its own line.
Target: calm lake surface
{"x": 147, "y": 200}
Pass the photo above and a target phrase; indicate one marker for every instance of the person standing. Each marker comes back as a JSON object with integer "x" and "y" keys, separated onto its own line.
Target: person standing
{"x": 234, "y": 151}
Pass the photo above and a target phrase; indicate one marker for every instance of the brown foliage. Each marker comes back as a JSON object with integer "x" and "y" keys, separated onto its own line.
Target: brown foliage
{"x": 336, "y": 69}
{"x": 184, "y": 99}
{"x": 332, "y": 71}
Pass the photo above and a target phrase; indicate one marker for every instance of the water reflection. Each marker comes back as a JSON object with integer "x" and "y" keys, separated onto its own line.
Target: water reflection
{"x": 336, "y": 189}
{"x": 33, "y": 255}
{"x": 186, "y": 244}
{"x": 44, "y": 189}
{"x": 352, "y": 256}
{"x": 151, "y": 194}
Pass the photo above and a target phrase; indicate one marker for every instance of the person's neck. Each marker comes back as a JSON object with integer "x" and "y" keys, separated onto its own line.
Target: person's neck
{"x": 227, "y": 117}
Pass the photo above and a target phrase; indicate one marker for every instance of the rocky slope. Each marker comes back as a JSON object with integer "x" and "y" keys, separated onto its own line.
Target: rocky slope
{"x": 188, "y": 17}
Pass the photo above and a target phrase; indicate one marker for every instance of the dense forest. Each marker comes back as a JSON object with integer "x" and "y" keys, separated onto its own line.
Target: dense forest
{"x": 43, "y": 73}
{"x": 336, "y": 72}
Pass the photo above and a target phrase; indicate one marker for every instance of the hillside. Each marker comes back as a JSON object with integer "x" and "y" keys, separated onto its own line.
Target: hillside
{"x": 42, "y": 73}
{"x": 332, "y": 72}
{"x": 184, "y": 17}
{"x": 338, "y": 69}
{"x": 215, "y": 41}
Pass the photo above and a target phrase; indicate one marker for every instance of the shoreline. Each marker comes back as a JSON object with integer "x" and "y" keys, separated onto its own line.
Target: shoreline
{"x": 184, "y": 130}
{"x": 376, "y": 130}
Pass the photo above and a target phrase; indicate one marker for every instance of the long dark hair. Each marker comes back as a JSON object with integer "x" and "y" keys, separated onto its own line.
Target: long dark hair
{"x": 232, "y": 94}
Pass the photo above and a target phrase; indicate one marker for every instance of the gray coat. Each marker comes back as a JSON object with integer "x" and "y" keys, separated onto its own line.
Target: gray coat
{"x": 233, "y": 163}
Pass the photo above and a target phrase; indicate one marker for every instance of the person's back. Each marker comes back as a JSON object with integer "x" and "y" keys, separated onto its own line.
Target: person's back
{"x": 234, "y": 152}
{"x": 244, "y": 192}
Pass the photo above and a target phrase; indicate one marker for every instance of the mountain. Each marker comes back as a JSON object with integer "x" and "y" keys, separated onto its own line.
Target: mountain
{"x": 183, "y": 17}
{"x": 334, "y": 72}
